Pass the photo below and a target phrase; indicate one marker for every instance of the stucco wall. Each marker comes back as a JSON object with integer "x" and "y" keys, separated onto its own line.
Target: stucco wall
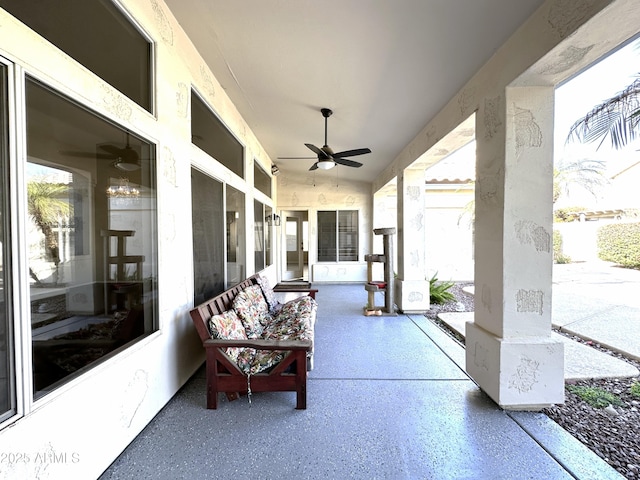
{"x": 323, "y": 190}
{"x": 80, "y": 428}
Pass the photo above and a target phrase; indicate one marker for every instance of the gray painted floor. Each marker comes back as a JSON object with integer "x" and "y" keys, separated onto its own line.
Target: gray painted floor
{"x": 387, "y": 399}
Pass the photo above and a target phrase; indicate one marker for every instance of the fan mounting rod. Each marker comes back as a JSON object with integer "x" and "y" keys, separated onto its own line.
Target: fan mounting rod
{"x": 326, "y": 113}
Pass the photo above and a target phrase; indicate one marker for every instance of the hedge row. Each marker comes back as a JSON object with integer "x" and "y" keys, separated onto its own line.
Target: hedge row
{"x": 558, "y": 253}
{"x": 620, "y": 243}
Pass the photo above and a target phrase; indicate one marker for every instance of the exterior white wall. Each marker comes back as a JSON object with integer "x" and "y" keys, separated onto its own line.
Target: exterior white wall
{"x": 79, "y": 429}
{"x": 449, "y": 230}
{"x": 321, "y": 191}
{"x": 449, "y": 238}
{"x": 580, "y": 239}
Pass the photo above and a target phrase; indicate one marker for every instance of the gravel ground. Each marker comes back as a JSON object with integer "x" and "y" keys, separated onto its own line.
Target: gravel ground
{"x": 609, "y": 432}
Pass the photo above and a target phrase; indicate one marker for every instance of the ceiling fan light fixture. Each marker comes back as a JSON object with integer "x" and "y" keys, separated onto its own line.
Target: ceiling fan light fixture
{"x": 326, "y": 164}
{"x": 125, "y": 165}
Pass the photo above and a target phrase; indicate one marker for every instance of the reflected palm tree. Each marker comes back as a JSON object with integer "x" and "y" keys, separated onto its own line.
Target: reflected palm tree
{"x": 47, "y": 204}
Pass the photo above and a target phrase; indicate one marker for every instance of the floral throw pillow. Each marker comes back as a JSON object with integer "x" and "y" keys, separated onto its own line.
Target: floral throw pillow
{"x": 252, "y": 309}
{"x": 227, "y": 326}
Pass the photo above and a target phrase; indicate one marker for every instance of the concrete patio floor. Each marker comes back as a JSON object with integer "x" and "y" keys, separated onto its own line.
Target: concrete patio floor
{"x": 388, "y": 399}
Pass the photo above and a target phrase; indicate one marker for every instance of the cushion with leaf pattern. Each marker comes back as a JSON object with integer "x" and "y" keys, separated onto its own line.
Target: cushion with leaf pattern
{"x": 227, "y": 326}
{"x": 252, "y": 361}
{"x": 272, "y": 302}
{"x": 251, "y": 306}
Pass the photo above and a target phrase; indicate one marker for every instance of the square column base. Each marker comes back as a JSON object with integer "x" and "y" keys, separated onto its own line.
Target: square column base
{"x": 412, "y": 296}
{"x": 525, "y": 373}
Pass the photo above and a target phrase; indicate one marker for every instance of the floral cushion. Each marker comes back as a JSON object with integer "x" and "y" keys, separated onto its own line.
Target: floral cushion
{"x": 252, "y": 361}
{"x": 294, "y": 320}
{"x": 227, "y": 326}
{"x": 250, "y": 318}
{"x": 252, "y": 308}
{"x": 272, "y": 302}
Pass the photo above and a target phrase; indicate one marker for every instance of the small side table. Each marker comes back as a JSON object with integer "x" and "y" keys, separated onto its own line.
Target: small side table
{"x": 298, "y": 287}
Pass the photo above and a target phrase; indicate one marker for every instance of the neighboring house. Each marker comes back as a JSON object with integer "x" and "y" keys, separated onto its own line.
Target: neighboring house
{"x": 450, "y": 205}
{"x": 618, "y": 201}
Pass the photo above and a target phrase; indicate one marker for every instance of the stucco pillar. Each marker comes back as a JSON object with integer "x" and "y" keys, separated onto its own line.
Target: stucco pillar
{"x": 411, "y": 288}
{"x": 509, "y": 349}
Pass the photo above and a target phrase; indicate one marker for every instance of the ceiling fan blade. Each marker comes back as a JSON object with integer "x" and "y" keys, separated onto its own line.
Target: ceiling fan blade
{"x": 112, "y": 149}
{"x": 72, "y": 153}
{"x": 321, "y": 153}
{"x": 346, "y": 162}
{"x": 314, "y": 167}
{"x": 352, "y": 153}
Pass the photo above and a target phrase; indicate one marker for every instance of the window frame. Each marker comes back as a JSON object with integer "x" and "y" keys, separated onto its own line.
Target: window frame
{"x": 22, "y": 306}
{"x": 337, "y": 237}
{"x": 11, "y": 247}
{"x": 265, "y": 216}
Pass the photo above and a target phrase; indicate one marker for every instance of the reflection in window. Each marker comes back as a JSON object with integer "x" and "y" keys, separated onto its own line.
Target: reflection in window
{"x": 97, "y": 35}
{"x": 259, "y": 228}
{"x": 268, "y": 250}
{"x": 338, "y": 236}
{"x": 7, "y": 393}
{"x": 235, "y": 236}
{"x": 91, "y": 237}
{"x": 210, "y": 135}
{"x": 261, "y": 180}
{"x": 208, "y": 237}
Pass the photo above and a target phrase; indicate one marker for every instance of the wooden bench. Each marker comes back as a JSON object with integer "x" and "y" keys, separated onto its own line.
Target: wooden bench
{"x": 224, "y": 375}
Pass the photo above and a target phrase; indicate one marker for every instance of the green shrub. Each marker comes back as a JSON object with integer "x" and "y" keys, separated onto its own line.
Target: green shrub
{"x": 596, "y": 397}
{"x": 558, "y": 255}
{"x": 439, "y": 291}
{"x": 635, "y": 389}
{"x": 620, "y": 243}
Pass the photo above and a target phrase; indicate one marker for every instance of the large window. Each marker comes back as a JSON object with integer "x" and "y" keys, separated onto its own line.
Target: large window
{"x": 210, "y": 135}
{"x": 338, "y": 236}
{"x": 207, "y": 212}
{"x": 262, "y": 223}
{"x": 236, "y": 240}
{"x": 92, "y": 243}
{"x": 7, "y": 391}
{"x": 259, "y": 228}
{"x": 96, "y": 34}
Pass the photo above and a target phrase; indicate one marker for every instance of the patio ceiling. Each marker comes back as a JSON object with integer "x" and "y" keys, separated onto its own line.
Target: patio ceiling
{"x": 384, "y": 67}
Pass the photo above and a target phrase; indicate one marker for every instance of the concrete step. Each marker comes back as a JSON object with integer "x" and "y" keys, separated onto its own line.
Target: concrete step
{"x": 580, "y": 361}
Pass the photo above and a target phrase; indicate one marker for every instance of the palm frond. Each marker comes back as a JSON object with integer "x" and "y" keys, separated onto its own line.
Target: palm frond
{"x": 617, "y": 118}
{"x": 587, "y": 173}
